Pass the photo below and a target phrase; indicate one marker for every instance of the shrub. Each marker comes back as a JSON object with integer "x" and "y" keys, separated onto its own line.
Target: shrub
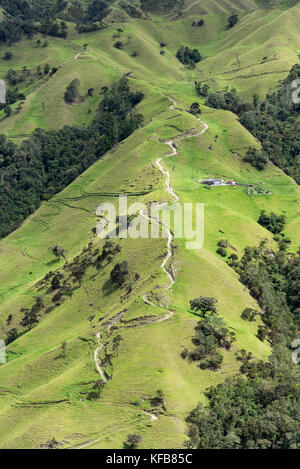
{"x": 257, "y": 158}
{"x": 210, "y": 333}
{"x": 119, "y": 45}
{"x": 119, "y": 273}
{"x": 213, "y": 362}
{"x": 233, "y": 260}
{"x": 161, "y": 6}
{"x": 7, "y": 56}
{"x": 11, "y": 336}
{"x": 222, "y": 252}
{"x": 249, "y": 314}
{"x": 195, "y": 109}
{"x": 71, "y": 92}
{"x": 232, "y": 21}
{"x": 274, "y": 223}
{"x": 262, "y": 333}
{"x": 132, "y": 441}
{"x": 223, "y": 243}
{"x": 201, "y": 90}
{"x": 188, "y": 56}
{"x": 205, "y": 304}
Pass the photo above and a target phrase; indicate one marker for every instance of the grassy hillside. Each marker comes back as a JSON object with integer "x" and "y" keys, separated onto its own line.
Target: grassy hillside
{"x": 44, "y": 390}
{"x": 252, "y": 57}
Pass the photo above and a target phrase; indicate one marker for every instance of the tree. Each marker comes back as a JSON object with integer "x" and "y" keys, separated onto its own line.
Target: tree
{"x": 211, "y": 333}
{"x": 55, "y": 282}
{"x": 119, "y": 273}
{"x": 262, "y": 333}
{"x": 188, "y": 56}
{"x": 46, "y": 69}
{"x": 257, "y": 158}
{"x": 7, "y": 56}
{"x": 8, "y": 110}
{"x": 12, "y": 76}
{"x": 11, "y": 336}
{"x": 233, "y": 259}
{"x": 201, "y": 90}
{"x": 195, "y": 109}
{"x": 232, "y": 21}
{"x": 222, "y": 251}
{"x": 163, "y": 6}
{"x": 59, "y": 252}
{"x": 78, "y": 273}
{"x": 204, "y": 304}
{"x": 96, "y": 10}
{"x": 48, "y": 161}
{"x": 96, "y": 392}
{"x": 274, "y": 122}
{"x": 71, "y": 93}
{"x": 223, "y": 243}
{"x": 39, "y": 301}
{"x": 132, "y": 441}
{"x": 9, "y": 319}
{"x": 119, "y": 45}
{"x": 30, "y": 318}
{"x": 160, "y": 396}
{"x": 63, "y": 26}
{"x": 249, "y": 314}
{"x": 274, "y": 223}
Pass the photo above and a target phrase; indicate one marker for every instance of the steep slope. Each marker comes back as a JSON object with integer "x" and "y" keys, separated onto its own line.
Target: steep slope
{"x": 252, "y": 57}
{"x": 48, "y": 390}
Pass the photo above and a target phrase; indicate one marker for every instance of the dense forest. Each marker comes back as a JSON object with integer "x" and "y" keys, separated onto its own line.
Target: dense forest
{"x": 262, "y": 409}
{"x": 24, "y": 17}
{"x": 47, "y": 17}
{"x": 274, "y": 121}
{"x": 161, "y": 6}
{"x": 48, "y": 161}
{"x": 27, "y": 18}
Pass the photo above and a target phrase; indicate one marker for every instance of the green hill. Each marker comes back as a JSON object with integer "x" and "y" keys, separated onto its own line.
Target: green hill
{"x": 50, "y": 386}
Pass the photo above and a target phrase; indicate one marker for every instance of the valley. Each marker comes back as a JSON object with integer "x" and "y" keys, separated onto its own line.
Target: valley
{"x": 103, "y": 358}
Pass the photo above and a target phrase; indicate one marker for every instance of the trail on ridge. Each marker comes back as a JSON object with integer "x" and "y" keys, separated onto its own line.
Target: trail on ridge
{"x": 171, "y": 191}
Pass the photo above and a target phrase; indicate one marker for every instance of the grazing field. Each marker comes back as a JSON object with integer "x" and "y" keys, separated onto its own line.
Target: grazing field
{"x": 45, "y": 386}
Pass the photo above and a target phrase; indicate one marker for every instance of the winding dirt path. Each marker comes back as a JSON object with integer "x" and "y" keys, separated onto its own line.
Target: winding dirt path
{"x": 171, "y": 191}
{"x": 96, "y": 357}
{"x": 170, "y": 276}
{"x": 146, "y": 300}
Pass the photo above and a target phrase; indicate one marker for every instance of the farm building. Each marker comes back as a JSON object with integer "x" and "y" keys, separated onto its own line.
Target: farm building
{"x": 213, "y": 182}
